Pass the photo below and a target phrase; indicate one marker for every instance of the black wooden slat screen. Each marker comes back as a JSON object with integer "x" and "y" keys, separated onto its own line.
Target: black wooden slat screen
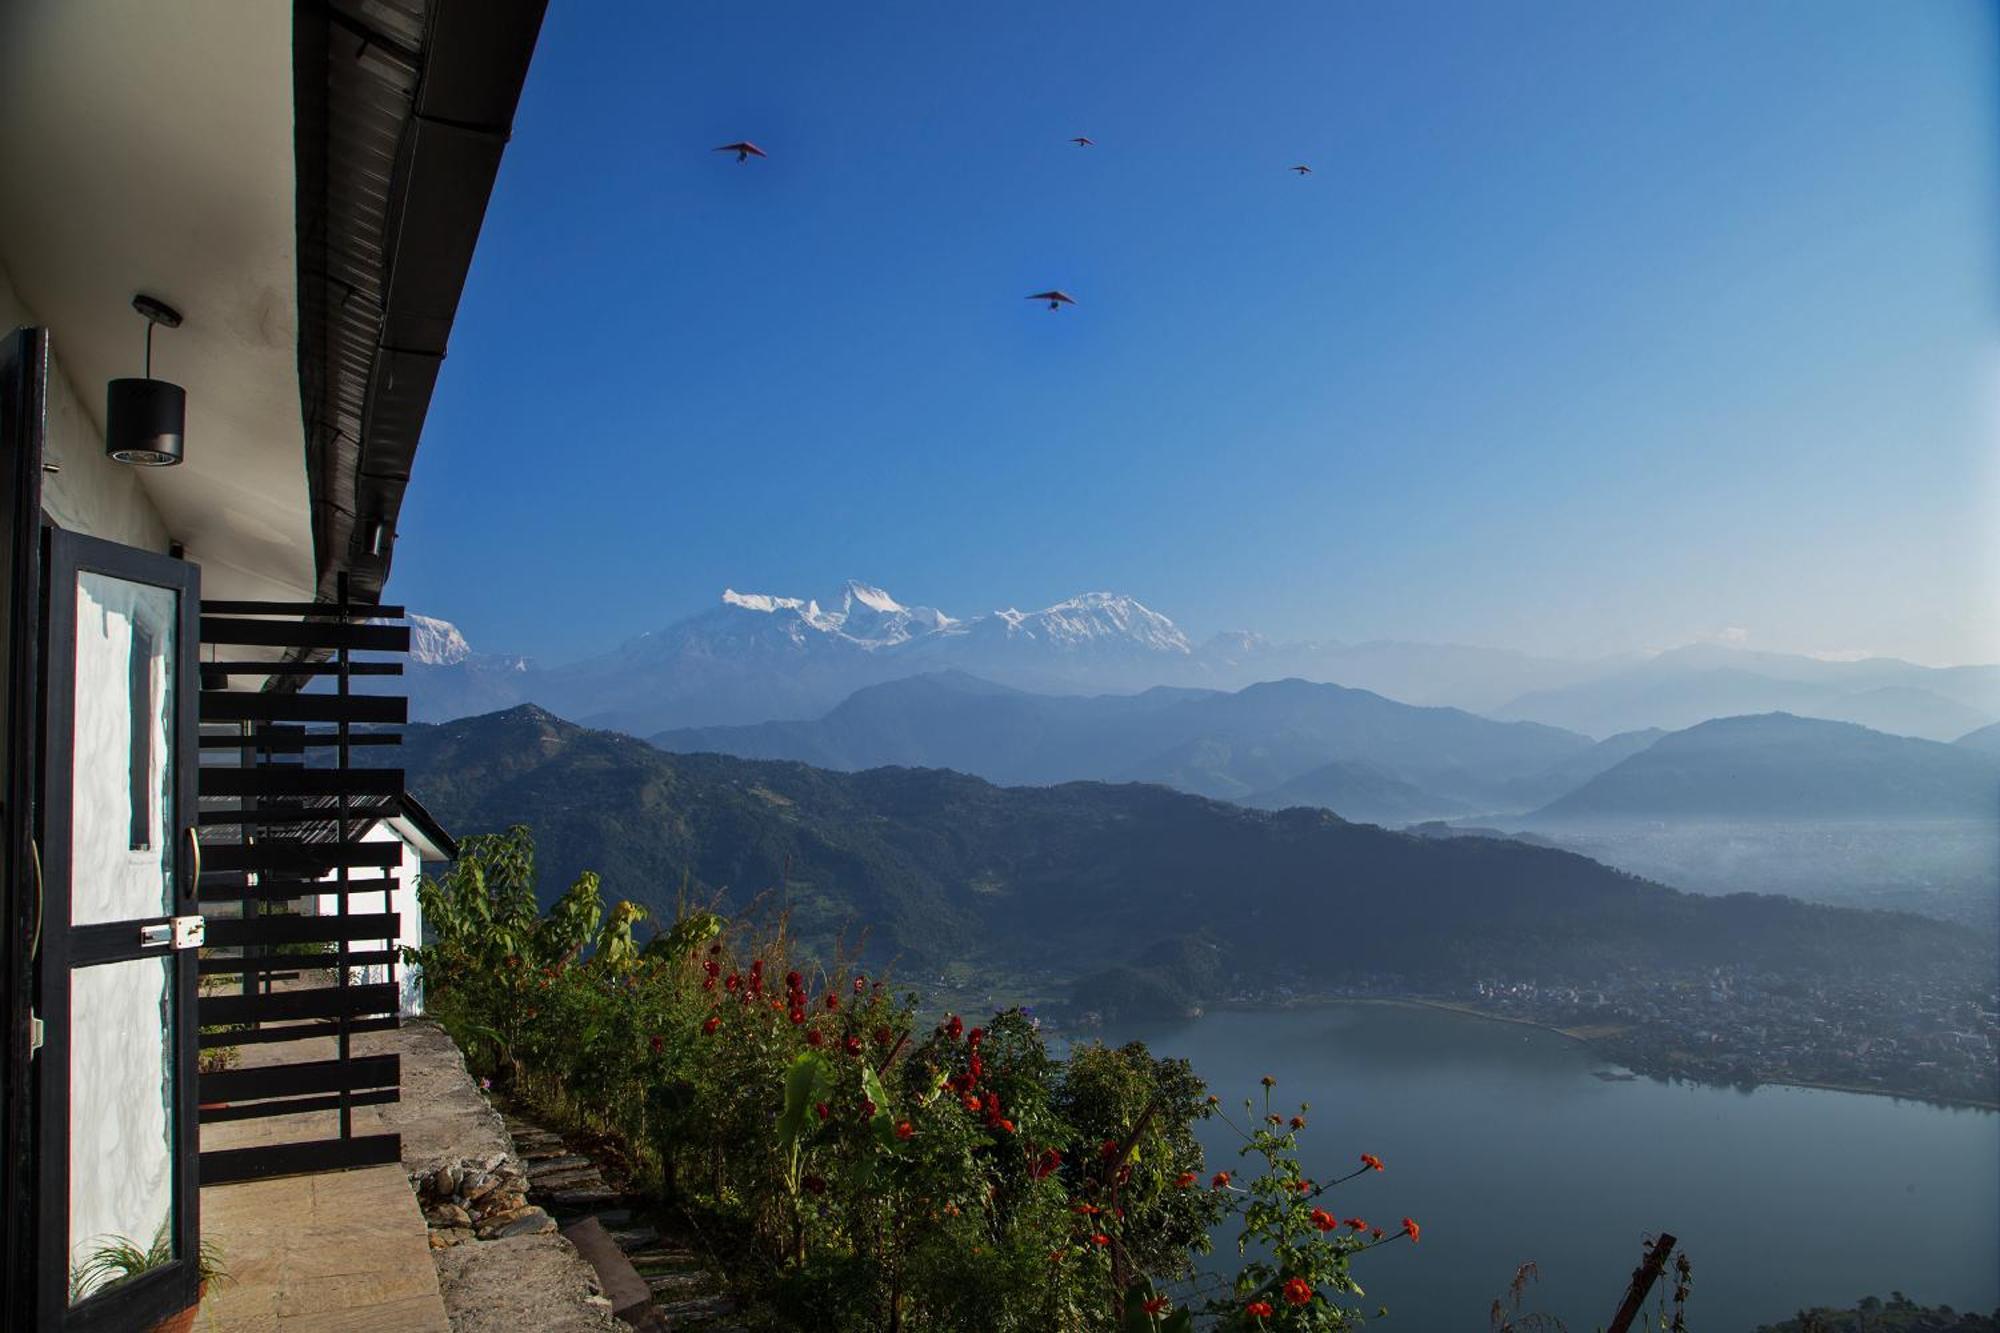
{"x": 283, "y": 817}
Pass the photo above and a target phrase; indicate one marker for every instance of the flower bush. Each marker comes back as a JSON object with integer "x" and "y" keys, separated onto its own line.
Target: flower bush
{"x": 869, "y": 1169}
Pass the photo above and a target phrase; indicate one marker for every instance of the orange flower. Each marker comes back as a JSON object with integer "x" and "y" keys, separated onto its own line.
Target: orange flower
{"x": 973, "y": 1104}
{"x": 1357, "y": 1224}
{"x": 1187, "y": 1180}
{"x": 1371, "y": 1161}
{"x": 1087, "y": 1209}
{"x": 1324, "y": 1220}
{"x": 1410, "y": 1229}
{"x": 1258, "y": 1309}
{"x": 1221, "y": 1181}
{"x": 1298, "y": 1291}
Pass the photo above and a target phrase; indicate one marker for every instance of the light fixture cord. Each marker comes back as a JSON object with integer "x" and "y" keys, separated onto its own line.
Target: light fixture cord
{"x": 149, "y": 349}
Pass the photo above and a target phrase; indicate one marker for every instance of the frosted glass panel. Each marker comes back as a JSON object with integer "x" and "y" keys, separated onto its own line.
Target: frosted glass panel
{"x": 121, "y": 1163}
{"x": 122, "y": 823}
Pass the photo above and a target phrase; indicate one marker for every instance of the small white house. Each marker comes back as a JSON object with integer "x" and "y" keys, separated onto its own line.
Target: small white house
{"x": 423, "y": 840}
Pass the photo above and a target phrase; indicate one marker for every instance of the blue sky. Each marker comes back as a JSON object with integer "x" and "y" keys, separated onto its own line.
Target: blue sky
{"x": 1598, "y": 327}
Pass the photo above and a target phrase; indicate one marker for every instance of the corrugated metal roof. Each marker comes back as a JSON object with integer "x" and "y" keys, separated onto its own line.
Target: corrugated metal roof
{"x": 404, "y": 108}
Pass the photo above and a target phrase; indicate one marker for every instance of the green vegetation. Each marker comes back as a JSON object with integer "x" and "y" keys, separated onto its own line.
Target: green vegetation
{"x": 1898, "y": 1314}
{"x": 866, "y": 1171}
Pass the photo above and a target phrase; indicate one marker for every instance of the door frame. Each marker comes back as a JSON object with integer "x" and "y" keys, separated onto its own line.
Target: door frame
{"x": 24, "y": 363}
{"x": 174, "y": 1287}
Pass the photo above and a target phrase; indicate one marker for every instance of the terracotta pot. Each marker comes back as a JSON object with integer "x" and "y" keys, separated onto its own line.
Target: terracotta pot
{"x": 184, "y": 1321}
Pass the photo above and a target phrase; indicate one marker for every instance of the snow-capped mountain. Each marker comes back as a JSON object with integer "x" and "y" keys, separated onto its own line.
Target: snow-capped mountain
{"x": 761, "y": 657}
{"x": 435, "y": 642}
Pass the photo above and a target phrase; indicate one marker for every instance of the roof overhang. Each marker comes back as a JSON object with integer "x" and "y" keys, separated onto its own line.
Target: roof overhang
{"x": 305, "y": 183}
{"x": 404, "y": 107}
{"x": 149, "y": 149}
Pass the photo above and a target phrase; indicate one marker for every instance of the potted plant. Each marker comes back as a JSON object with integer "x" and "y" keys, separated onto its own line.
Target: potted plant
{"x": 117, "y": 1259}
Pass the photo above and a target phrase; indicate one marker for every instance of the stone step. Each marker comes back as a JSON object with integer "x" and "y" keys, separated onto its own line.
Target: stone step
{"x": 635, "y": 1238}
{"x": 711, "y": 1307}
{"x": 613, "y": 1218}
{"x": 679, "y": 1286}
{"x": 661, "y": 1258}
{"x": 582, "y": 1200}
{"x": 575, "y": 1178}
{"x": 539, "y": 1167}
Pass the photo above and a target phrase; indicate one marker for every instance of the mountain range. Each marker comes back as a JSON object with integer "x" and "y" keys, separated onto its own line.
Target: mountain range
{"x": 754, "y": 658}
{"x": 1388, "y": 761}
{"x": 940, "y": 866}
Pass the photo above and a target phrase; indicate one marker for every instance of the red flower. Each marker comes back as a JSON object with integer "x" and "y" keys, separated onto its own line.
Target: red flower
{"x": 657, "y": 1042}
{"x": 1298, "y": 1291}
{"x": 815, "y": 1037}
{"x": 867, "y": 1108}
{"x": 1086, "y": 1210}
{"x": 904, "y": 1129}
{"x": 1376, "y": 1232}
{"x": 1258, "y": 1309}
{"x": 756, "y": 967}
{"x": 859, "y": 984}
{"x": 1274, "y": 1120}
{"x": 793, "y": 980}
{"x": 1055, "y": 1256}
{"x": 1357, "y": 1224}
{"x": 953, "y": 1026}
{"x": 731, "y": 982}
{"x": 832, "y": 1001}
{"x": 973, "y": 1104}
{"x": 797, "y": 1016}
{"x": 708, "y": 984}
{"x": 711, "y": 967}
{"x": 1410, "y": 1229}
{"x": 852, "y": 1045}
{"x": 1006, "y": 1124}
{"x": 1221, "y": 1181}
{"x": 822, "y": 1110}
{"x": 711, "y": 1025}
{"x": 883, "y": 1036}
{"x": 1298, "y": 1122}
{"x": 976, "y": 1036}
{"x": 1302, "y": 1186}
{"x": 975, "y": 1067}
{"x": 1109, "y": 1150}
{"x": 1324, "y": 1220}
{"x": 1371, "y": 1161}
{"x": 1156, "y": 1305}
{"x": 1100, "y": 1239}
{"x": 1187, "y": 1180}
{"x": 1046, "y": 1163}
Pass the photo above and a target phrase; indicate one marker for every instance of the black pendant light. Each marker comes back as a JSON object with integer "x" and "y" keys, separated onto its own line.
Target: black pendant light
{"x": 144, "y": 419}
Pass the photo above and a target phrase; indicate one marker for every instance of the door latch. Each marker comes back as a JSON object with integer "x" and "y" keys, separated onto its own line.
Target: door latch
{"x": 190, "y": 932}
{"x": 156, "y": 936}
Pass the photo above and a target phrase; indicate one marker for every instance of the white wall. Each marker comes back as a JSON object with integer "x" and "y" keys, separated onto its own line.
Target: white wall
{"x": 91, "y": 494}
{"x": 402, "y": 900}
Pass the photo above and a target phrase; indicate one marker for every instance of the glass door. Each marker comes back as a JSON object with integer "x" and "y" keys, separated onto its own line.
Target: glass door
{"x": 119, "y": 1200}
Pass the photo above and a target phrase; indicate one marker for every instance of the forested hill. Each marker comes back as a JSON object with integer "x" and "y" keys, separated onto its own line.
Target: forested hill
{"x": 938, "y": 866}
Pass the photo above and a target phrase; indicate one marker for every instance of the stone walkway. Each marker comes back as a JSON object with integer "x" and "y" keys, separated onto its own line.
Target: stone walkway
{"x": 320, "y": 1254}
{"x": 566, "y": 1182}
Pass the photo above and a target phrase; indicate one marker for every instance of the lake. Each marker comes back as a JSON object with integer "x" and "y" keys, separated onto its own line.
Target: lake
{"x": 1502, "y": 1143}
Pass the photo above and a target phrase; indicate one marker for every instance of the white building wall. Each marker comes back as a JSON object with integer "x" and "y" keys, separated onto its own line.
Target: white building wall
{"x": 402, "y": 900}
{"x": 91, "y": 493}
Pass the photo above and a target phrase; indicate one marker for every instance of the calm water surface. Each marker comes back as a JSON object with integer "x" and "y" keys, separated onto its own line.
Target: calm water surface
{"x": 1502, "y": 1143}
